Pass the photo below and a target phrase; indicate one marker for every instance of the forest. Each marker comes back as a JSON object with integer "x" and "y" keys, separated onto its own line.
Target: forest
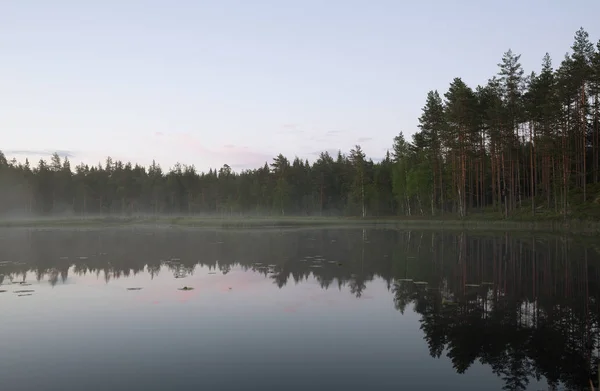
{"x": 524, "y": 144}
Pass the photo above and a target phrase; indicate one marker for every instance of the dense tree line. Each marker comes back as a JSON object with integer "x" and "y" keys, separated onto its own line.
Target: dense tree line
{"x": 518, "y": 143}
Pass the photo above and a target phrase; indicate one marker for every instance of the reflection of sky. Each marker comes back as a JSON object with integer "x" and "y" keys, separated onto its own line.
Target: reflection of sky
{"x": 89, "y": 334}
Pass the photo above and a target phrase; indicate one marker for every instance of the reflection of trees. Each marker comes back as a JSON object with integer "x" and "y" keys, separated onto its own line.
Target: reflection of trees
{"x": 527, "y": 307}
{"x": 117, "y": 254}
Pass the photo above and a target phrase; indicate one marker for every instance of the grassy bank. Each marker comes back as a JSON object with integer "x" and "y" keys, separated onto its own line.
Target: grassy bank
{"x": 473, "y": 222}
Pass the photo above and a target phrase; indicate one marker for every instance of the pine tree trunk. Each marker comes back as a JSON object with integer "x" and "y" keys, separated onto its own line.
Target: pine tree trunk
{"x": 596, "y": 136}
{"x": 532, "y": 167}
{"x": 584, "y": 141}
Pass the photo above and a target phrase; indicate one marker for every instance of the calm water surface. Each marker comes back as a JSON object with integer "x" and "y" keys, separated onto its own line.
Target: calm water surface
{"x": 347, "y": 309}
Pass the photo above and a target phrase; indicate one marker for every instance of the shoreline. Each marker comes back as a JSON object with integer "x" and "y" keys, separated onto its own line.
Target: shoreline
{"x": 467, "y": 224}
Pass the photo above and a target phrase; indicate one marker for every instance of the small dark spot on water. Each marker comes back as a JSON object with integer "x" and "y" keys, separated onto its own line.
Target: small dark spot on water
{"x": 25, "y": 291}
{"x": 186, "y": 288}
{"x": 26, "y": 294}
{"x": 2, "y": 291}
{"x": 212, "y": 272}
{"x": 134, "y": 289}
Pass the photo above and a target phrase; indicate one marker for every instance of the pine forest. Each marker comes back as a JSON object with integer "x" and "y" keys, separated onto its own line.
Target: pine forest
{"x": 524, "y": 144}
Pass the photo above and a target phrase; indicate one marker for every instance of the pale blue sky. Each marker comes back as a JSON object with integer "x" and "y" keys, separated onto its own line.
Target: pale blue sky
{"x": 237, "y": 82}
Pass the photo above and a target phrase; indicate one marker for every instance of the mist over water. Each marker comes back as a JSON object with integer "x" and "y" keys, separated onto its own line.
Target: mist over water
{"x": 296, "y": 309}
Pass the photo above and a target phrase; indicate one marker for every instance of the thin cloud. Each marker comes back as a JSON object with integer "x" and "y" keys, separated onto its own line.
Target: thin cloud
{"x": 235, "y": 156}
{"x": 290, "y": 129}
{"x": 364, "y": 139}
{"x": 159, "y": 134}
{"x": 228, "y": 146}
{"x": 333, "y": 133}
{"x": 38, "y": 152}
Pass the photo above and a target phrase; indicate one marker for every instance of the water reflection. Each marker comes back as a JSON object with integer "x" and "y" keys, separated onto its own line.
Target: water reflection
{"x": 526, "y": 306}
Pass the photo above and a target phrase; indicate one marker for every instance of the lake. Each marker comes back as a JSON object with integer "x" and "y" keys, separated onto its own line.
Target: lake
{"x": 351, "y": 309}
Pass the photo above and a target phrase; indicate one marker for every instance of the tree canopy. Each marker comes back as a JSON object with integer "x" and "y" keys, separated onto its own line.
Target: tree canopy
{"x": 521, "y": 143}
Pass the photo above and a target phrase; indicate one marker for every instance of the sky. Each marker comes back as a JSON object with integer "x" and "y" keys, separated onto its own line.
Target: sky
{"x": 213, "y": 82}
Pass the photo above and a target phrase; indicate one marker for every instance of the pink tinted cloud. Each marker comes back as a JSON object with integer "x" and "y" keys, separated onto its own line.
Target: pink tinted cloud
{"x": 228, "y": 154}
